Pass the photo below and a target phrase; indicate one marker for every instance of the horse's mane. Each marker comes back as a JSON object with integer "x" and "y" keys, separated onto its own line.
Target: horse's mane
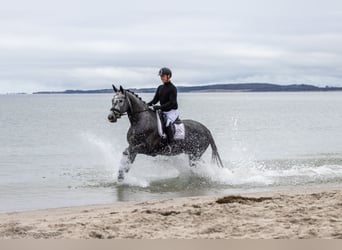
{"x": 136, "y": 95}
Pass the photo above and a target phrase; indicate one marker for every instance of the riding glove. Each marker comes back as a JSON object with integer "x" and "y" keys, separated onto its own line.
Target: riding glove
{"x": 156, "y": 107}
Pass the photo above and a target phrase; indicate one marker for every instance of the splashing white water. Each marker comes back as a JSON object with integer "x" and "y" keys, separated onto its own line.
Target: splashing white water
{"x": 101, "y": 151}
{"x": 147, "y": 169}
{"x": 241, "y": 170}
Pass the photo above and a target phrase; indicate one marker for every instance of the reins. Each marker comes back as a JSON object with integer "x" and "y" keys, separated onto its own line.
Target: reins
{"x": 126, "y": 113}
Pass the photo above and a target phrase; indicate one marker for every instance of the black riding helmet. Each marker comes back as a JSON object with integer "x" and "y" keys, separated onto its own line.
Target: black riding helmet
{"x": 165, "y": 71}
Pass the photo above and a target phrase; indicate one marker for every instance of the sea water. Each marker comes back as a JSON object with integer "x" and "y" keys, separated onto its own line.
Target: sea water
{"x": 60, "y": 150}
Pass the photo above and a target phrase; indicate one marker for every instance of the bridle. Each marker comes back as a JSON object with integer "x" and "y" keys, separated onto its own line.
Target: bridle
{"x": 131, "y": 113}
{"x": 117, "y": 111}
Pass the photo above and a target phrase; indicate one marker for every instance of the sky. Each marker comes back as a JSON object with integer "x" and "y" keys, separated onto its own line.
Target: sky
{"x": 72, "y": 44}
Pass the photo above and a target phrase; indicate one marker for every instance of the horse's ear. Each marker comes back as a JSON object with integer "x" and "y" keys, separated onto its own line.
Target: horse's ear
{"x": 121, "y": 89}
{"x": 114, "y": 88}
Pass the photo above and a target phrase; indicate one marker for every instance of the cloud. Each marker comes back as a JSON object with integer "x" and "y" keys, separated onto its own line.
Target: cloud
{"x": 90, "y": 44}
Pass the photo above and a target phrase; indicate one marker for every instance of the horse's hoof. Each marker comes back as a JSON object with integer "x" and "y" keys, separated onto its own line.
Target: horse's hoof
{"x": 121, "y": 176}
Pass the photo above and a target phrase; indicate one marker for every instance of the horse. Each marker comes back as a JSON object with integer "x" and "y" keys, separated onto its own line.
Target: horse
{"x": 143, "y": 136}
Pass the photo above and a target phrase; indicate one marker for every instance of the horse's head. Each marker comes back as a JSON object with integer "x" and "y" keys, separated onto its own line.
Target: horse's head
{"x": 120, "y": 104}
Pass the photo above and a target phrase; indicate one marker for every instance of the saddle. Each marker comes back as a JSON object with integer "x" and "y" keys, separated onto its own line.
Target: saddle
{"x": 177, "y": 126}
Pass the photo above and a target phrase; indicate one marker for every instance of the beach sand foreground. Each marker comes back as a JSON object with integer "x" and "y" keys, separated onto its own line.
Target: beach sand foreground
{"x": 306, "y": 214}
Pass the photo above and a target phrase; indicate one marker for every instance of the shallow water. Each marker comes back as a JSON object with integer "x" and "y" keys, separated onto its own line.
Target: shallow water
{"x": 59, "y": 150}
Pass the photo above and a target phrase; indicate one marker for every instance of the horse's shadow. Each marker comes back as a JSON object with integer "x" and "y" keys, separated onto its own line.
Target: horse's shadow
{"x": 180, "y": 186}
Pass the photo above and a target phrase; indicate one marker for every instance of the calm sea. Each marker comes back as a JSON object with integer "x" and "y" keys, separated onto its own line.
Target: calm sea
{"x": 60, "y": 150}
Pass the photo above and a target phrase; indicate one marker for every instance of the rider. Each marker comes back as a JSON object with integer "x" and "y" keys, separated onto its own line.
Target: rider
{"x": 166, "y": 94}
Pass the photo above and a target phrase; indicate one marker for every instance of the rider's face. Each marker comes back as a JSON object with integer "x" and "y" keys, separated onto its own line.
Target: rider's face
{"x": 165, "y": 78}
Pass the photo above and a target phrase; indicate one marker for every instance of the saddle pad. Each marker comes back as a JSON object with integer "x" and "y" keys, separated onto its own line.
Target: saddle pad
{"x": 179, "y": 131}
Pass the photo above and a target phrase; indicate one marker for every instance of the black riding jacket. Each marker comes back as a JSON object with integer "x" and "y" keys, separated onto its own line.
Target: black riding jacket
{"x": 166, "y": 94}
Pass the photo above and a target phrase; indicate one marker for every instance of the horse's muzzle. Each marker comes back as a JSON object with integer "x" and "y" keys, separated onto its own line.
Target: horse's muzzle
{"x": 112, "y": 117}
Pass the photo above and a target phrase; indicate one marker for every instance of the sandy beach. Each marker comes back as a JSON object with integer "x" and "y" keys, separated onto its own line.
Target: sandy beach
{"x": 284, "y": 215}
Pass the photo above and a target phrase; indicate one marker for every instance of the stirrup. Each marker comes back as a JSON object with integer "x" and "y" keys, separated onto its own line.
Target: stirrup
{"x": 170, "y": 148}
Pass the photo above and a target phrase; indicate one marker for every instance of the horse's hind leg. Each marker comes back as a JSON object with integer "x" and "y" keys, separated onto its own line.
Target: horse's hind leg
{"x": 195, "y": 156}
{"x": 192, "y": 160}
{"x": 126, "y": 161}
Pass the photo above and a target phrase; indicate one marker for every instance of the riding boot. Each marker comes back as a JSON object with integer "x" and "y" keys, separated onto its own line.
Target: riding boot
{"x": 169, "y": 134}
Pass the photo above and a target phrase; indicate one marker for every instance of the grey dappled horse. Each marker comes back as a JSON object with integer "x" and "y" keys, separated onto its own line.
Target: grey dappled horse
{"x": 143, "y": 136}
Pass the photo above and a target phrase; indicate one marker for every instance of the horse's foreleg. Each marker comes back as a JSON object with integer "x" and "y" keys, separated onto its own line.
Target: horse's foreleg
{"x": 128, "y": 157}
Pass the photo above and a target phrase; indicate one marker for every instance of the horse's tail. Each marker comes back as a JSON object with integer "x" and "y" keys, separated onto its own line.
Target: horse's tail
{"x": 215, "y": 155}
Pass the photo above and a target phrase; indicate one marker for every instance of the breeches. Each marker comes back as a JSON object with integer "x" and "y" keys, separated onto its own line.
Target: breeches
{"x": 171, "y": 116}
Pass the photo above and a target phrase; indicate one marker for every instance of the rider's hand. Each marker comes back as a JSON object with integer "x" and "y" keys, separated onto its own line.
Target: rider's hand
{"x": 156, "y": 107}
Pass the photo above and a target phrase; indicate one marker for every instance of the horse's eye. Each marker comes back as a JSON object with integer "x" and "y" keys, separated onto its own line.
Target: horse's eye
{"x": 120, "y": 101}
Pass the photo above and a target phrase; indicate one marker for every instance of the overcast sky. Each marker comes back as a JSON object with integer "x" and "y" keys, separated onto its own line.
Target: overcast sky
{"x": 70, "y": 44}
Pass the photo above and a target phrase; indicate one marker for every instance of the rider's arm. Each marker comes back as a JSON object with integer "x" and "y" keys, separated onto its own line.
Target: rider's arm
{"x": 155, "y": 98}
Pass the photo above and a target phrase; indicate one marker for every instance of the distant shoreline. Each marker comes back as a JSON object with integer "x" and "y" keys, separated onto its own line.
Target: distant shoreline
{"x": 239, "y": 87}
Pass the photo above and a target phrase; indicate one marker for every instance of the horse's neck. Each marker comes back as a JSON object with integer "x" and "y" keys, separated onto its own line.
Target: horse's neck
{"x": 136, "y": 104}
{"x": 139, "y": 110}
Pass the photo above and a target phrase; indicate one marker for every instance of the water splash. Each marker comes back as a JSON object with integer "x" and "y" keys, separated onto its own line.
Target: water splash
{"x": 101, "y": 150}
{"x": 147, "y": 170}
{"x": 242, "y": 170}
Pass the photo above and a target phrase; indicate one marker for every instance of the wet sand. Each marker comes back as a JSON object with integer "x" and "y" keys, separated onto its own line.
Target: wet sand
{"x": 285, "y": 215}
